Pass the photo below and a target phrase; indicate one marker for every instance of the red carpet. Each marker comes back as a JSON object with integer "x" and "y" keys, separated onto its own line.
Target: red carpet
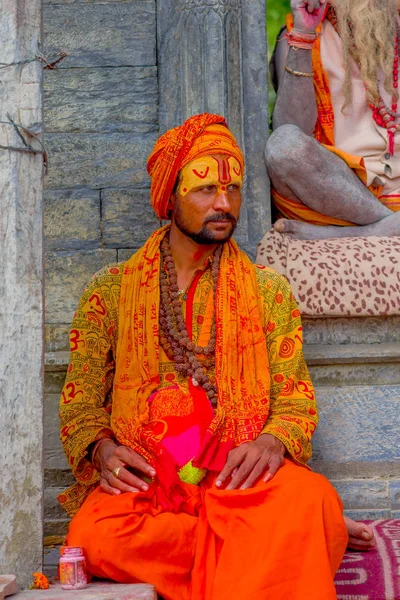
{"x": 373, "y": 575}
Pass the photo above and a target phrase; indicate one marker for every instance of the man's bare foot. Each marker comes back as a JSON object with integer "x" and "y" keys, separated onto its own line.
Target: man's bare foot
{"x": 361, "y": 536}
{"x": 389, "y": 226}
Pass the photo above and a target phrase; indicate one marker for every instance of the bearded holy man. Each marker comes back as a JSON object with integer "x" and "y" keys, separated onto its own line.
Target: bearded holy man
{"x": 334, "y": 155}
{"x": 188, "y": 411}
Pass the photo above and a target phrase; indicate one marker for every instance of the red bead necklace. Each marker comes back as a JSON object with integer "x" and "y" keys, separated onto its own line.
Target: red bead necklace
{"x": 383, "y": 116}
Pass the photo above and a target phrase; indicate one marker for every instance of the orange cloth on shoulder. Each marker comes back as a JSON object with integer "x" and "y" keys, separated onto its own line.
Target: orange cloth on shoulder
{"x": 241, "y": 362}
{"x": 284, "y": 539}
{"x": 324, "y": 133}
{"x": 200, "y": 135}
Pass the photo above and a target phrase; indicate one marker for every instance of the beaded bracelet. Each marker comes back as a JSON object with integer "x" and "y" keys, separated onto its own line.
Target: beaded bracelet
{"x": 305, "y": 41}
{"x": 297, "y": 73}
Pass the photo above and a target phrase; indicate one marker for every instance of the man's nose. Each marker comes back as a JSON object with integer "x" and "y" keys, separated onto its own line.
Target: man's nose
{"x": 222, "y": 201}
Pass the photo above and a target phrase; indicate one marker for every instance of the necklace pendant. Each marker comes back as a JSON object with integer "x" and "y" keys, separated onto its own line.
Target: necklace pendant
{"x": 195, "y": 382}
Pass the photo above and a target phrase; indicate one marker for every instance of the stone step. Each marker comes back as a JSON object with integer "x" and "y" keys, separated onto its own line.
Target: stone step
{"x": 355, "y": 374}
{"x": 358, "y": 434}
{"x": 325, "y": 354}
{"x": 345, "y": 330}
{"x": 8, "y": 585}
{"x": 354, "y": 364}
{"x": 94, "y": 591}
{"x": 316, "y": 354}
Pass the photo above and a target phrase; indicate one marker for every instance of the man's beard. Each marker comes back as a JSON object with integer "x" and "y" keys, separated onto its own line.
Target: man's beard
{"x": 205, "y": 237}
{"x": 368, "y": 31}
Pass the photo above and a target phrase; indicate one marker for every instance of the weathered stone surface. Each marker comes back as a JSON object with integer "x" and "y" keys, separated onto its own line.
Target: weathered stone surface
{"x": 61, "y": 478}
{"x": 95, "y": 591}
{"x": 53, "y": 451}
{"x": 46, "y": 2}
{"x": 369, "y": 515}
{"x": 370, "y": 330}
{"x": 325, "y": 354}
{"x": 394, "y": 491}
{"x": 212, "y": 58}
{"x": 98, "y": 160}
{"x": 54, "y": 381}
{"x": 56, "y": 527}
{"x": 127, "y": 218}
{"x": 71, "y": 219}
{"x": 67, "y": 274}
{"x": 101, "y": 100}
{"x": 8, "y": 585}
{"x": 56, "y": 361}
{"x": 52, "y": 507}
{"x": 358, "y": 374}
{"x": 102, "y": 35}
{"x": 358, "y": 433}
{"x": 21, "y": 293}
{"x": 57, "y": 337}
{"x": 359, "y": 494}
{"x": 124, "y": 254}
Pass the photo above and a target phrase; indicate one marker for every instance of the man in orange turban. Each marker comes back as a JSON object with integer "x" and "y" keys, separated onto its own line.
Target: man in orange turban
{"x": 188, "y": 411}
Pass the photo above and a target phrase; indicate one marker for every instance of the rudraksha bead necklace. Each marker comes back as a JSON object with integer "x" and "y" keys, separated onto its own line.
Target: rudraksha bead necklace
{"x": 174, "y": 336}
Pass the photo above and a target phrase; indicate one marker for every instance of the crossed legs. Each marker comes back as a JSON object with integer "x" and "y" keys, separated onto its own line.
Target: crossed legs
{"x": 302, "y": 169}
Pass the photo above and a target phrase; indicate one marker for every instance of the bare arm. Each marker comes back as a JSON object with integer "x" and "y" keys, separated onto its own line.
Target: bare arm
{"x": 296, "y": 103}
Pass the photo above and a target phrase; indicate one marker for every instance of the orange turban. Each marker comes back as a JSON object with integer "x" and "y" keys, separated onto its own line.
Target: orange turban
{"x": 199, "y": 136}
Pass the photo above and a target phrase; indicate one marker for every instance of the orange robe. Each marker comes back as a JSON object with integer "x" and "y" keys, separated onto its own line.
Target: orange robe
{"x": 282, "y": 540}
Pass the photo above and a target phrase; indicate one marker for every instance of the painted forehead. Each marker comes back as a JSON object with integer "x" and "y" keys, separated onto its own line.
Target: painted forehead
{"x": 222, "y": 169}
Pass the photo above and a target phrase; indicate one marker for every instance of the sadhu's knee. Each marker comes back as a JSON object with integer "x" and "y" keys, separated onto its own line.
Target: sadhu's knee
{"x": 286, "y": 148}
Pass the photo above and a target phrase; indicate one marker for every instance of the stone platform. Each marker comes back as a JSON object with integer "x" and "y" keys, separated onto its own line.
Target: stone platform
{"x": 94, "y": 591}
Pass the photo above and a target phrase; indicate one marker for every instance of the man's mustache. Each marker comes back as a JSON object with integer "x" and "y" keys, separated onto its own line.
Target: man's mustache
{"x": 218, "y": 217}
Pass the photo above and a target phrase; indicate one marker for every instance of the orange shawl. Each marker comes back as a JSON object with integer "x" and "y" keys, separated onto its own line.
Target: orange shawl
{"x": 242, "y": 366}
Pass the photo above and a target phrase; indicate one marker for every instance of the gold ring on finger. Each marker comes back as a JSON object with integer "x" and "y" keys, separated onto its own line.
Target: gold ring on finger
{"x": 116, "y": 472}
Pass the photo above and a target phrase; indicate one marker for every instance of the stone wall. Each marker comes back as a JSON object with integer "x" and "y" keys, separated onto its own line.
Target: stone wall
{"x": 355, "y": 366}
{"x": 101, "y": 120}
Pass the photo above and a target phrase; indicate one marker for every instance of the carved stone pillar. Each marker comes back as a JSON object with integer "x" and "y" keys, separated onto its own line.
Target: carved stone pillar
{"x": 21, "y": 293}
{"x": 212, "y": 56}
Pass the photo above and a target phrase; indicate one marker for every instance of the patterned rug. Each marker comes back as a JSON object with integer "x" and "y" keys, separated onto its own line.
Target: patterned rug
{"x": 373, "y": 575}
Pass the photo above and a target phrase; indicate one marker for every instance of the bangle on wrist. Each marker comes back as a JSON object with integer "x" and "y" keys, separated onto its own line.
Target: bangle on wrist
{"x": 297, "y": 73}
{"x": 298, "y": 39}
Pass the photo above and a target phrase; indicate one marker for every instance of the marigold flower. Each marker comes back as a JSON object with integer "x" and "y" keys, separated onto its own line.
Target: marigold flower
{"x": 40, "y": 582}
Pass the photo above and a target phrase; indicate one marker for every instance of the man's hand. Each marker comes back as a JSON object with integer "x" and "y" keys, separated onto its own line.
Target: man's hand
{"x": 109, "y": 457}
{"x": 252, "y": 460}
{"x": 307, "y": 14}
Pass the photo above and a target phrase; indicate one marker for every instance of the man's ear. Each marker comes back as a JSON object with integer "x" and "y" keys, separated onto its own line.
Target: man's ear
{"x": 171, "y": 204}
{"x": 171, "y": 201}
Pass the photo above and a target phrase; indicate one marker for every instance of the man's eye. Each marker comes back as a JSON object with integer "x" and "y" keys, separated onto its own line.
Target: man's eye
{"x": 208, "y": 188}
{"x": 233, "y": 187}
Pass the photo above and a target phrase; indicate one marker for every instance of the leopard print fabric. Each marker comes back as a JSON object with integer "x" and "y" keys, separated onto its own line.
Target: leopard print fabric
{"x": 354, "y": 277}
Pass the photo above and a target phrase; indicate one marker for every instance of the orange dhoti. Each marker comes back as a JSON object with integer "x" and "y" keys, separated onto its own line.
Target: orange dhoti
{"x": 282, "y": 539}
